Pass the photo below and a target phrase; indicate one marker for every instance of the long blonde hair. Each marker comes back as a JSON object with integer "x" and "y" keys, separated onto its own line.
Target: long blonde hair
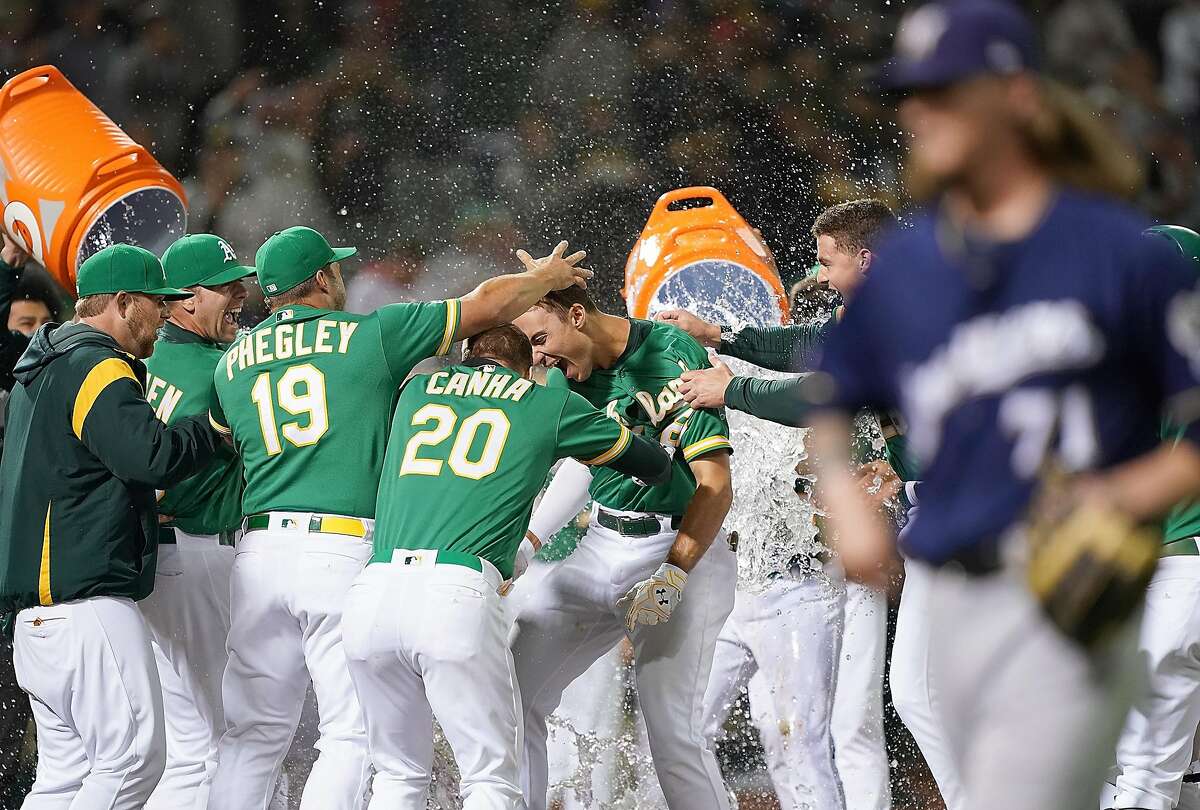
{"x": 1069, "y": 140}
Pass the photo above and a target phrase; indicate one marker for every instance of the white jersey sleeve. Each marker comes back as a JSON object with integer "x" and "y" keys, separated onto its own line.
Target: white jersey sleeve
{"x": 562, "y": 500}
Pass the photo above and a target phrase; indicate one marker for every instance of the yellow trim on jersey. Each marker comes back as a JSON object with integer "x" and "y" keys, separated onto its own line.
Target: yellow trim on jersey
{"x": 103, "y": 374}
{"x": 704, "y": 446}
{"x": 217, "y": 426}
{"x": 44, "y": 597}
{"x": 617, "y": 449}
{"x": 451, "y": 326}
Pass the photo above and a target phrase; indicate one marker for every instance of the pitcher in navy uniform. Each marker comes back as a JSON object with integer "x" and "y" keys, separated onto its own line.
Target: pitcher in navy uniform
{"x": 1021, "y": 316}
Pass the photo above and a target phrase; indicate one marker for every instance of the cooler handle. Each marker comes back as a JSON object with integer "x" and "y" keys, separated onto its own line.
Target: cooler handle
{"x": 128, "y": 156}
{"x": 28, "y": 81}
{"x": 662, "y": 207}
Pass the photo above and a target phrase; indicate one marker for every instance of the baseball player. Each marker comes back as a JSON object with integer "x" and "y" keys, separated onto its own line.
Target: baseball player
{"x": 845, "y": 236}
{"x": 426, "y": 634}
{"x": 1004, "y": 372}
{"x": 644, "y": 544}
{"x": 188, "y": 612}
{"x": 307, "y": 396}
{"x": 1155, "y": 747}
{"x": 83, "y": 455}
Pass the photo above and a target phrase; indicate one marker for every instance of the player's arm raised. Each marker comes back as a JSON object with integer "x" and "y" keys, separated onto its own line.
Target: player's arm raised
{"x": 501, "y": 299}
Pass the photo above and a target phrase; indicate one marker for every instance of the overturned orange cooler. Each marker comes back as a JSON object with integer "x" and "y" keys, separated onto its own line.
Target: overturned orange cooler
{"x": 697, "y": 253}
{"x": 72, "y": 182}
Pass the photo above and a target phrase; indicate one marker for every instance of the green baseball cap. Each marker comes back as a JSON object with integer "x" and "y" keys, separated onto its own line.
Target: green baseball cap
{"x": 124, "y": 268}
{"x": 1187, "y": 240}
{"x": 202, "y": 259}
{"x": 292, "y": 256}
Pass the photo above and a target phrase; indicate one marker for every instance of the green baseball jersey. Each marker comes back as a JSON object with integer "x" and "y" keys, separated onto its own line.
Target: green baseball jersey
{"x": 179, "y": 384}
{"x": 308, "y": 394}
{"x": 641, "y": 391}
{"x": 468, "y": 451}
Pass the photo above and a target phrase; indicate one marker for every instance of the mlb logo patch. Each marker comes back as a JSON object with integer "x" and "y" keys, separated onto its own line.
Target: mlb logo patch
{"x": 272, "y": 287}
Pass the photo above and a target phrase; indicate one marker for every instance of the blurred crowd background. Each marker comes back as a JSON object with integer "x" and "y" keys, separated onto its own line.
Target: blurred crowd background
{"x": 438, "y": 136}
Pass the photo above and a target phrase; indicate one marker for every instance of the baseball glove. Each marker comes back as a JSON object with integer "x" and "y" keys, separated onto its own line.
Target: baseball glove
{"x": 1089, "y": 563}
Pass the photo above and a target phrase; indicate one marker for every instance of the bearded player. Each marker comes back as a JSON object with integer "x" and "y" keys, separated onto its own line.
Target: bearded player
{"x": 426, "y": 633}
{"x": 643, "y": 546}
{"x": 307, "y": 397}
{"x": 188, "y": 612}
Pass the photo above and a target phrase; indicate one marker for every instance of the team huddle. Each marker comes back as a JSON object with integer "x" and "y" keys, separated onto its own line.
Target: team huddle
{"x": 198, "y": 523}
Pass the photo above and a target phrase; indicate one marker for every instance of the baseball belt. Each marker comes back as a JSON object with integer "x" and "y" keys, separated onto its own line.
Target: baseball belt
{"x": 1186, "y": 547}
{"x": 321, "y": 524}
{"x": 444, "y": 556}
{"x": 645, "y": 526}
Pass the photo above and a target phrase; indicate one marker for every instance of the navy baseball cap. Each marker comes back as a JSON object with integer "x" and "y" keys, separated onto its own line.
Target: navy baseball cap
{"x": 944, "y": 42}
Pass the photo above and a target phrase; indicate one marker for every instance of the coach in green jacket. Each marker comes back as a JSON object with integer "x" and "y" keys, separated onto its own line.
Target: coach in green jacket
{"x": 83, "y": 457}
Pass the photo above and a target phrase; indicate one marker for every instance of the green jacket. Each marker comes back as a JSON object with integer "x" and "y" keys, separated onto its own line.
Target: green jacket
{"x": 82, "y": 459}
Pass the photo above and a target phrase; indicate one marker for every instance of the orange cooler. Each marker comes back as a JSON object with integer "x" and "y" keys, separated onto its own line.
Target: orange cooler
{"x": 72, "y": 182}
{"x": 697, "y": 253}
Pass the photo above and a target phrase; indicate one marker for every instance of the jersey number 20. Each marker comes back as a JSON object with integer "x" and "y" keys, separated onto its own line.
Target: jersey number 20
{"x": 444, "y": 419}
{"x": 300, "y": 392}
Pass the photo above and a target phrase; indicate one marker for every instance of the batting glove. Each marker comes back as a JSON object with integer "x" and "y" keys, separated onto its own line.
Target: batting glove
{"x": 652, "y": 600}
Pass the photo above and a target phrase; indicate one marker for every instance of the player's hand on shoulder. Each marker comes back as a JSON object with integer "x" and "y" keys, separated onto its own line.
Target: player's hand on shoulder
{"x": 652, "y": 600}
{"x": 705, "y": 388}
{"x": 560, "y": 270}
{"x": 708, "y": 334}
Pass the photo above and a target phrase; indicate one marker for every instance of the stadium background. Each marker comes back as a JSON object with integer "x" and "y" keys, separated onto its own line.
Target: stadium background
{"x": 440, "y": 136}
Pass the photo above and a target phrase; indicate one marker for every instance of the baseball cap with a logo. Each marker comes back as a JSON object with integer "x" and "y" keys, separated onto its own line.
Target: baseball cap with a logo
{"x": 202, "y": 259}
{"x": 944, "y": 42}
{"x": 124, "y": 268}
{"x": 292, "y": 256}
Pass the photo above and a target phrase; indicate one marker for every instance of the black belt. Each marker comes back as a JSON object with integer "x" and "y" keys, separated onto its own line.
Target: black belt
{"x": 644, "y": 526}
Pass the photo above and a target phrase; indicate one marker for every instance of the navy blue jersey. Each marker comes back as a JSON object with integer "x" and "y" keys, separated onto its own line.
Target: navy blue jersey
{"x": 1071, "y": 341}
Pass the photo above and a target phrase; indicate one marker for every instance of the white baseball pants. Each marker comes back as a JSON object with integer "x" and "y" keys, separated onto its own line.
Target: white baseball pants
{"x": 571, "y": 619}
{"x": 1032, "y": 717}
{"x": 914, "y": 693}
{"x": 93, "y": 685}
{"x": 1155, "y": 747}
{"x": 586, "y": 728}
{"x": 428, "y": 640}
{"x": 188, "y": 617}
{"x": 287, "y": 593}
{"x": 784, "y": 642}
{"x": 860, "y": 750}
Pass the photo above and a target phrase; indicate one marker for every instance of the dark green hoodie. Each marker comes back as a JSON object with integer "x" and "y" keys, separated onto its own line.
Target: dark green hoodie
{"x": 83, "y": 456}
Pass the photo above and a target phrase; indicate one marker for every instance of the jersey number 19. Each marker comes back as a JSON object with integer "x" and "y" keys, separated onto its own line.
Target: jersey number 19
{"x": 300, "y": 392}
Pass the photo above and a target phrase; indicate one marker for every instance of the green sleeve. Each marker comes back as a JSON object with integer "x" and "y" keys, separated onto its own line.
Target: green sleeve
{"x": 412, "y": 332}
{"x": 587, "y": 434}
{"x": 706, "y": 431}
{"x": 116, "y": 423}
{"x": 216, "y": 412}
{"x": 901, "y": 458}
{"x": 779, "y": 348}
{"x": 774, "y": 400}
{"x": 593, "y": 438}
